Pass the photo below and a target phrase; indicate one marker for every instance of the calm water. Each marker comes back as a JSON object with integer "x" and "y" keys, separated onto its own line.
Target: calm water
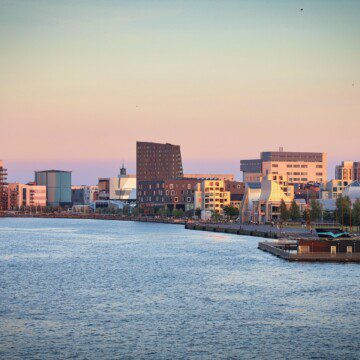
{"x": 106, "y": 289}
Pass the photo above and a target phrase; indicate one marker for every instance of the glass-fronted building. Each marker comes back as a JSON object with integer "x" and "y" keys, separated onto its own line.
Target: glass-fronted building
{"x": 58, "y": 186}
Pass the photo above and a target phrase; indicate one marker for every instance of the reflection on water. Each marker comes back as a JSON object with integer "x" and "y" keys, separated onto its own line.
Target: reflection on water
{"x": 107, "y": 289}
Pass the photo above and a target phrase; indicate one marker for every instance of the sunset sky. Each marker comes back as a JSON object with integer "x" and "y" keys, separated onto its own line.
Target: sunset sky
{"x": 82, "y": 81}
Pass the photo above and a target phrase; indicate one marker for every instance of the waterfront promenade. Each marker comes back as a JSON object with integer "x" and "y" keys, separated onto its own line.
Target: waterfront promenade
{"x": 266, "y": 231}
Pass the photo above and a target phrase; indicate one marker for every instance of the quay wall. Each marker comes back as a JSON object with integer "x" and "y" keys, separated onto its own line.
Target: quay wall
{"x": 238, "y": 230}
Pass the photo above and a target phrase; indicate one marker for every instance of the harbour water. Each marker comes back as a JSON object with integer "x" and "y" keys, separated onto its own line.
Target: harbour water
{"x": 112, "y": 289}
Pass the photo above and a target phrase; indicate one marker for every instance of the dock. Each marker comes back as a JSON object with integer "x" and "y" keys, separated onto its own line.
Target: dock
{"x": 227, "y": 229}
{"x": 288, "y": 251}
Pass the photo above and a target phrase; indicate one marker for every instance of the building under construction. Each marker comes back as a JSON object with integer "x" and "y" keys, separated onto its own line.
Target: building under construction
{"x": 3, "y": 187}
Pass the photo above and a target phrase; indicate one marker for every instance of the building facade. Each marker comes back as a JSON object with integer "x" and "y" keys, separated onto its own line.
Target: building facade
{"x": 151, "y": 195}
{"x": 237, "y": 190}
{"x": 179, "y": 193}
{"x": 25, "y": 195}
{"x": 156, "y": 161}
{"x": 91, "y": 194}
{"x": 298, "y": 167}
{"x": 248, "y": 211}
{"x": 58, "y": 186}
{"x": 3, "y": 187}
{"x": 83, "y": 194}
{"x": 274, "y": 190}
{"x": 262, "y": 200}
{"x": 332, "y": 189}
{"x": 348, "y": 171}
{"x": 252, "y": 170}
{"x": 224, "y": 177}
{"x": 211, "y": 197}
{"x": 121, "y": 188}
{"x": 169, "y": 194}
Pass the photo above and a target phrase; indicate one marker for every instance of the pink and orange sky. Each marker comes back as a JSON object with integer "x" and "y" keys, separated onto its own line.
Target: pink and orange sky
{"x": 82, "y": 81}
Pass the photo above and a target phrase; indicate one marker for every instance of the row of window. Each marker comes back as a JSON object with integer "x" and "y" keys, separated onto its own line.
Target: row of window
{"x": 161, "y": 199}
{"x": 167, "y": 192}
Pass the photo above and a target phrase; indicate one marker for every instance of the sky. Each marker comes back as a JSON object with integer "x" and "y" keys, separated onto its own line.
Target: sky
{"x": 82, "y": 81}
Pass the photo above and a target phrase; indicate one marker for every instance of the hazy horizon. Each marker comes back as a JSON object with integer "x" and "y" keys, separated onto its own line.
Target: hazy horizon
{"x": 82, "y": 82}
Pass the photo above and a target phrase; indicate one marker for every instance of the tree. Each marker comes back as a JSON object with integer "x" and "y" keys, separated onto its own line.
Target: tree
{"x": 343, "y": 207}
{"x": 215, "y": 216}
{"x": 328, "y": 215}
{"x": 294, "y": 211}
{"x": 356, "y": 213}
{"x": 178, "y": 213}
{"x": 231, "y": 211}
{"x": 315, "y": 210}
{"x": 198, "y": 212}
{"x": 284, "y": 212}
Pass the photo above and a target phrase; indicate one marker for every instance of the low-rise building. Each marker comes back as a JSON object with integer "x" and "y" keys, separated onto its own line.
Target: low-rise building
{"x": 83, "y": 194}
{"x": 150, "y": 195}
{"x": 237, "y": 190}
{"x": 352, "y": 191}
{"x": 333, "y": 188}
{"x": 25, "y": 195}
{"x": 307, "y": 191}
{"x": 91, "y": 194}
{"x": 211, "y": 197}
{"x": 348, "y": 171}
{"x": 179, "y": 193}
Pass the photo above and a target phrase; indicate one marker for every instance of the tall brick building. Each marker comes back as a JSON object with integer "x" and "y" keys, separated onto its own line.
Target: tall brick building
{"x": 158, "y": 161}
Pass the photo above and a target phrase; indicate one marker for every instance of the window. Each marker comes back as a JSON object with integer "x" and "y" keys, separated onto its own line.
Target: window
{"x": 319, "y": 166}
{"x": 171, "y": 186}
{"x": 188, "y": 199}
{"x": 319, "y": 174}
{"x": 176, "y": 199}
{"x": 274, "y": 165}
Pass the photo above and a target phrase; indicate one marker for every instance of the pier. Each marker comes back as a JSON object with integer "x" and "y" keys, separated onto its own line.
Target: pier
{"x": 289, "y": 251}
